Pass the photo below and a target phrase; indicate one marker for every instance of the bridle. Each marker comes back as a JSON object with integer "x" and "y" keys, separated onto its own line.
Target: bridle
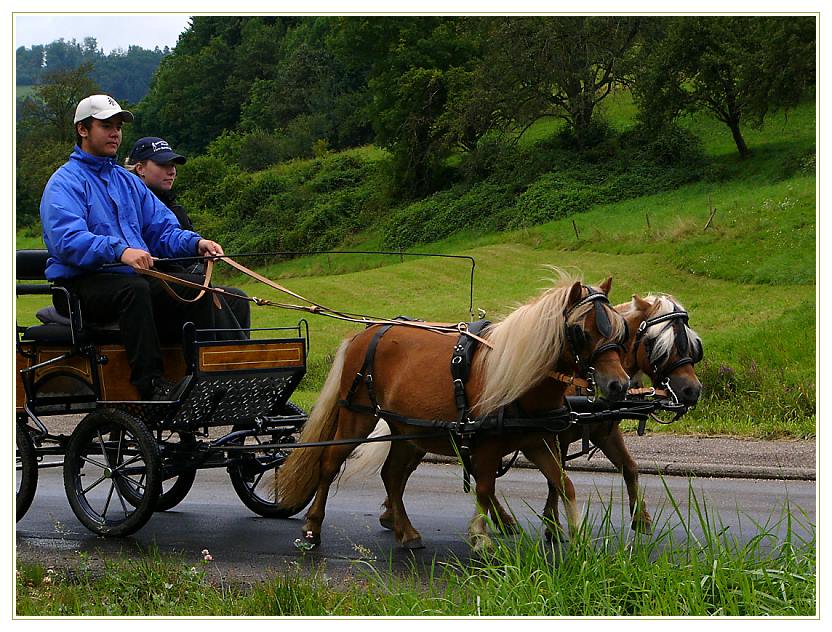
{"x": 577, "y": 339}
{"x": 662, "y": 370}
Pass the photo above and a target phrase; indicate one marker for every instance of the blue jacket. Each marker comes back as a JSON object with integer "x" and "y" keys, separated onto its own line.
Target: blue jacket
{"x": 92, "y": 210}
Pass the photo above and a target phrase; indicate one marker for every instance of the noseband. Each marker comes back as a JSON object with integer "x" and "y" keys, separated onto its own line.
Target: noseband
{"x": 679, "y": 320}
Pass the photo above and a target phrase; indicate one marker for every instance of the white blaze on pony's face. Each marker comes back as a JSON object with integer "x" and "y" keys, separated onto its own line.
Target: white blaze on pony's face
{"x": 596, "y": 335}
{"x": 669, "y": 348}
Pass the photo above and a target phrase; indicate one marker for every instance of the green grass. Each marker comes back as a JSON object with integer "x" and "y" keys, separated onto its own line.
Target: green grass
{"x": 693, "y": 565}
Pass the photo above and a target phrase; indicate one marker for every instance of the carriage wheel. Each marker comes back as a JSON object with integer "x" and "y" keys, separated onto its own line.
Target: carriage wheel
{"x": 26, "y": 466}
{"x": 108, "y": 452}
{"x": 253, "y": 477}
{"x": 174, "y": 489}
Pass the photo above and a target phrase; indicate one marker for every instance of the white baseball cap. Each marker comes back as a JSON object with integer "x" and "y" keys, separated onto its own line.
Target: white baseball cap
{"x": 100, "y": 106}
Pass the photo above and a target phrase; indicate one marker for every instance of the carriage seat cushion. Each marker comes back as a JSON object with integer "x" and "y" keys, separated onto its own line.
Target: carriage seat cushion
{"x": 50, "y": 315}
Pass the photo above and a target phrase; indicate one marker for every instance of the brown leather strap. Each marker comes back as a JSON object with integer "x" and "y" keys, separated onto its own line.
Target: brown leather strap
{"x": 166, "y": 279}
{"x": 568, "y": 379}
{"x": 648, "y": 391}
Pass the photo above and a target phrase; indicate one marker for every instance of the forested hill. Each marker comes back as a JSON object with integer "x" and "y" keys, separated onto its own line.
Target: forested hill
{"x": 125, "y": 75}
{"x": 446, "y": 108}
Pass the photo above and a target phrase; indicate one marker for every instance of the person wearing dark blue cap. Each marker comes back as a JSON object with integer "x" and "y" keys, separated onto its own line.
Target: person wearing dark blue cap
{"x": 154, "y": 162}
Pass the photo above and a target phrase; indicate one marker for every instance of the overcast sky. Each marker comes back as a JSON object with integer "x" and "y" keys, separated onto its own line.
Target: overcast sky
{"x": 111, "y": 32}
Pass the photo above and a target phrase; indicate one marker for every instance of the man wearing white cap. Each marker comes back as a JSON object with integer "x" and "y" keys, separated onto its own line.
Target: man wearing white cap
{"x": 94, "y": 214}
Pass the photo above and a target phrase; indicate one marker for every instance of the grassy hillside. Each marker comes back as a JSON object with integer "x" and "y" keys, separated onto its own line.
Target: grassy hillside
{"x": 748, "y": 280}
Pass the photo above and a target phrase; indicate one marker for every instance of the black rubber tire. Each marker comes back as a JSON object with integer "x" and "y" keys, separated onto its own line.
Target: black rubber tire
{"x": 251, "y": 490}
{"x": 26, "y": 463}
{"x": 177, "y": 492}
{"x": 171, "y": 494}
{"x": 91, "y": 459}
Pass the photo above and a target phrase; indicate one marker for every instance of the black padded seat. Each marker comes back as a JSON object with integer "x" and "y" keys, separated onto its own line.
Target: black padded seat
{"x": 52, "y": 333}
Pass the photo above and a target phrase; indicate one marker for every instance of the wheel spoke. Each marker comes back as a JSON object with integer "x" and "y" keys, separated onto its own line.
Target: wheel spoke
{"x": 86, "y": 459}
{"x": 257, "y": 482}
{"x": 121, "y": 500}
{"x": 121, "y": 466}
{"x": 98, "y": 482}
{"x": 109, "y": 497}
{"x": 102, "y": 443}
{"x": 138, "y": 485}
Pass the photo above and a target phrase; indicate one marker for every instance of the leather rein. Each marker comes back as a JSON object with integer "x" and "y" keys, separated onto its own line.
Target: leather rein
{"x": 594, "y": 297}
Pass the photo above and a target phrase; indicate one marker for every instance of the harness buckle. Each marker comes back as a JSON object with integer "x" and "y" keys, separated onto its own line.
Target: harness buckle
{"x": 590, "y": 384}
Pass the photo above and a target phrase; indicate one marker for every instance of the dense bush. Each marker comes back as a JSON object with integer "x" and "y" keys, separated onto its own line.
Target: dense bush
{"x": 549, "y": 180}
{"x": 295, "y": 206}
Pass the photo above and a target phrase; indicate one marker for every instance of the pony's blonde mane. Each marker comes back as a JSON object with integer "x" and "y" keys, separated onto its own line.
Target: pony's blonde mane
{"x": 526, "y": 345}
{"x": 663, "y": 337}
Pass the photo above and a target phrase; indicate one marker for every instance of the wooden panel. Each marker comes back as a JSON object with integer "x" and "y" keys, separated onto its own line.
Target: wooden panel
{"x": 61, "y": 378}
{"x": 247, "y": 357}
{"x": 115, "y": 374}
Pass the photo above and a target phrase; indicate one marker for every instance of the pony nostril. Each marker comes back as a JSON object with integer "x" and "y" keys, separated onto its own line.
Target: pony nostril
{"x": 690, "y": 393}
{"x": 617, "y": 388}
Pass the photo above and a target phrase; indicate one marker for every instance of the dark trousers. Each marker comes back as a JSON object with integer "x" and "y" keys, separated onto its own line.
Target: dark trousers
{"x": 237, "y": 311}
{"x": 146, "y": 314}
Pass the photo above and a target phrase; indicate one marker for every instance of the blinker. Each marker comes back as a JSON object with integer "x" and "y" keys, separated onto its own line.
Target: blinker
{"x": 602, "y": 321}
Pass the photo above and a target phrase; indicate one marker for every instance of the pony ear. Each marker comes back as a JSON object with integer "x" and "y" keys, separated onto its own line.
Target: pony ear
{"x": 606, "y": 286}
{"x": 575, "y": 293}
{"x": 641, "y": 304}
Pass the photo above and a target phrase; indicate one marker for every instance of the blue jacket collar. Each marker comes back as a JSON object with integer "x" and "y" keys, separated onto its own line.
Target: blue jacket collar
{"x": 94, "y": 163}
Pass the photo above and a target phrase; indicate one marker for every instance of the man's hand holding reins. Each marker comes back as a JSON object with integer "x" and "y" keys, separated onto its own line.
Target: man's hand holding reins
{"x": 137, "y": 259}
{"x": 206, "y": 247}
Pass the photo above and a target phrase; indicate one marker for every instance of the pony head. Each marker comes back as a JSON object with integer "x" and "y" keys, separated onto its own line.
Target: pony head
{"x": 532, "y": 341}
{"x": 664, "y": 347}
{"x": 596, "y": 335}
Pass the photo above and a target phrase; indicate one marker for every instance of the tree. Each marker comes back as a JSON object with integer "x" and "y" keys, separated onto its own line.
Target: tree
{"x": 535, "y": 67}
{"x": 51, "y": 112}
{"x": 410, "y": 63}
{"x": 737, "y": 68}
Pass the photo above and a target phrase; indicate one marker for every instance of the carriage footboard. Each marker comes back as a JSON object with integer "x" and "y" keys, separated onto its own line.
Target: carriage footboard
{"x": 241, "y": 381}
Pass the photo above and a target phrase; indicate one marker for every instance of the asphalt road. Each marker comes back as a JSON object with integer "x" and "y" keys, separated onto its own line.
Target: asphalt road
{"x": 246, "y": 547}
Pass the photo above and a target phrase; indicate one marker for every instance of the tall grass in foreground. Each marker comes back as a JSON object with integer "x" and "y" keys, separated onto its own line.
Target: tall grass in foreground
{"x": 692, "y": 566}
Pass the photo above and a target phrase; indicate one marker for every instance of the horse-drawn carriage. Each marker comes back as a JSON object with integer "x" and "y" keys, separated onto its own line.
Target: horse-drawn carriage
{"x": 127, "y": 458}
{"x": 505, "y": 392}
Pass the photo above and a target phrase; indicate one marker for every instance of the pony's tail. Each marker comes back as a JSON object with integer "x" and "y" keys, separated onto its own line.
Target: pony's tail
{"x": 367, "y": 458}
{"x": 295, "y": 481}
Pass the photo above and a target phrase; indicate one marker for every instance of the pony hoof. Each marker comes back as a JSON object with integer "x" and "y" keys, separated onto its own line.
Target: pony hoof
{"x": 643, "y": 526}
{"x": 415, "y": 543}
{"x": 509, "y": 528}
{"x": 309, "y": 542}
{"x": 386, "y": 522}
{"x": 555, "y": 537}
{"x": 481, "y": 544}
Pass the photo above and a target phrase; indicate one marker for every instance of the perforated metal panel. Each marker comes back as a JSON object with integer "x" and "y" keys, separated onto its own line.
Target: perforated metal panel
{"x": 229, "y": 400}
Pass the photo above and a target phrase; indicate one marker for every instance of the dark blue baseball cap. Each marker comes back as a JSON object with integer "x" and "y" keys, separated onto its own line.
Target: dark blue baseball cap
{"x": 155, "y": 149}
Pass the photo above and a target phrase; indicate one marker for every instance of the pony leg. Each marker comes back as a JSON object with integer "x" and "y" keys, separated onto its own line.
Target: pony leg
{"x": 485, "y": 464}
{"x": 612, "y": 445}
{"x": 400, "y": 463}
{"x": 408, "y": 457}
{"x": 332, "y": 458}
{"x": 545, "y": 455}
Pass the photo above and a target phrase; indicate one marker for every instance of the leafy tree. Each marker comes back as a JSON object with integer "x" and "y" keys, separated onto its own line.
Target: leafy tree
{"x": 410, "y": 63}
{"x": 739, "y": 69}
{"x": 51, "y": 112}
{"x": 45, "y": 134}
{"x": 535, "y": 67}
